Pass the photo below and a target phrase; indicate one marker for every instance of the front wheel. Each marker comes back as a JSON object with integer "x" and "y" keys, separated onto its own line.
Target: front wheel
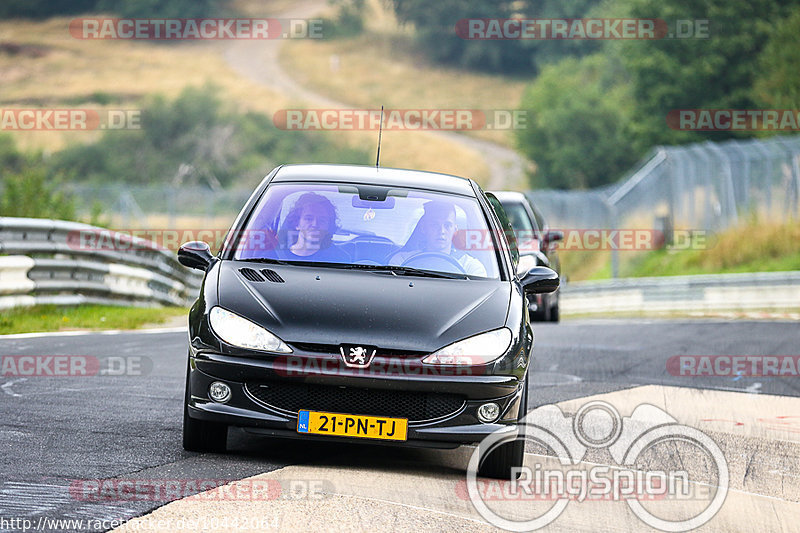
{"x": 502, "y": 459}
{"x": 201, "y": 435}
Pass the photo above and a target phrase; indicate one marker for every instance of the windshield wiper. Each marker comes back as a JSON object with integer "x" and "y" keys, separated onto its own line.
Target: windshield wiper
{"x": 396, "y": 270}
{"x": 410, "y": 271}
{"x": 265, "y": 260}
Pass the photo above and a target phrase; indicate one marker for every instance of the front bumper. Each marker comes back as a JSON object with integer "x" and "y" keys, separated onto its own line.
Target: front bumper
{"x": 243, "y": 409}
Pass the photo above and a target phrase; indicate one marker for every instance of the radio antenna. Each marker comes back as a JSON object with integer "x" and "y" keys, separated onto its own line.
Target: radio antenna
{"x": 380, "y": 131}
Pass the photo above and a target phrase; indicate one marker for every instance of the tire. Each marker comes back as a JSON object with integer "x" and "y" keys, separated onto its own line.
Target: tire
{"x": 201, "y": 435}
{"x": 499, "y": 462}
{"x": 542, "y": 314}
{"x": 554, "y": 313}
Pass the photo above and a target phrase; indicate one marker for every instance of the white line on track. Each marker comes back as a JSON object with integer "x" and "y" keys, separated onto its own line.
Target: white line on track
{"x": 79, "y": 333}
{"x": 6, "y": 387}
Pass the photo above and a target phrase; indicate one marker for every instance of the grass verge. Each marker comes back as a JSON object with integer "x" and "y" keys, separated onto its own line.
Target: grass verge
{"x": 750, "y": 247}
{"x": 96, "y": 317}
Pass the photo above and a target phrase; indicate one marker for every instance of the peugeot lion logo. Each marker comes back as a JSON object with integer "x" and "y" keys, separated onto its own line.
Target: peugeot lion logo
{"x": 357, "y": 356}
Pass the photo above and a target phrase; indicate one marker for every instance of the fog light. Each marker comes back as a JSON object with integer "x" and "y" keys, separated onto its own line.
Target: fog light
{"x": 488, "y": 412}
{"x": 219, "y": 392}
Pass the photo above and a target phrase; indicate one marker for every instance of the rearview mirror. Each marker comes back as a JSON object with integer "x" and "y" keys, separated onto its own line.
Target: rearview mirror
{"x": 539, "y": 280}
{"x": 195, "y": 254}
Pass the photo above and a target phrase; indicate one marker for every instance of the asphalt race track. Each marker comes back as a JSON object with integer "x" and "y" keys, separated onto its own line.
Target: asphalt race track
{"x": 58, "y": 433}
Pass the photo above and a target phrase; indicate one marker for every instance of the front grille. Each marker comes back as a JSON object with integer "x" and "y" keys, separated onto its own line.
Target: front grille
{"x": 415, "y": 406}
{"x": 334, "y": 349}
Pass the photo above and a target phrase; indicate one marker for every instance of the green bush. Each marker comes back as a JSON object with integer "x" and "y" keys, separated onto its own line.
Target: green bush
{"x": 32, "y": 193}
{"x": 580, "y": 130}
{"x": 40, "y": 9}
{"x": 196, "y": 139}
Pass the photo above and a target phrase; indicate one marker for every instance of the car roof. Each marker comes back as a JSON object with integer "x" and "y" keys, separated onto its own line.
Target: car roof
{"x": 369, "y": 175}
{"x": 510, "y": 196}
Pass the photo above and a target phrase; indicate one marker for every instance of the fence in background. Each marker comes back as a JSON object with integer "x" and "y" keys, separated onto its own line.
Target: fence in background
{"x": 708, "y": 186}
{"x": 43, "y": 262}
{"x": 705, "y": 186}
{"x": 161, "y": 206}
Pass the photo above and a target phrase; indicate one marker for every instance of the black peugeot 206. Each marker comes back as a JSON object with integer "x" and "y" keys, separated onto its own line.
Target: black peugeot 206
{"x": 363, "y": 303}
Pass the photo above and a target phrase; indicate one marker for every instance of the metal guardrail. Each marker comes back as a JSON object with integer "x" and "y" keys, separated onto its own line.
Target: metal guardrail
{"x": 715, "y": 292}
{"x": 46, "y": 261}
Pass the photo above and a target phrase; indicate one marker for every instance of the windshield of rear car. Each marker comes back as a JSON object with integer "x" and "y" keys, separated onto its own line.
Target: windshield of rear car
{"x": 348, "y": 224}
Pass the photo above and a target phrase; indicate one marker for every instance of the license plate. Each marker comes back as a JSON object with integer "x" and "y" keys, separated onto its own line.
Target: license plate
{"x": 342, "y": 425}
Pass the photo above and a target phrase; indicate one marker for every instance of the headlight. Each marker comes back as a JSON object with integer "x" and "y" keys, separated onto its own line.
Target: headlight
{"x": 478, "y": 350}
{"x": 239, "y": 331}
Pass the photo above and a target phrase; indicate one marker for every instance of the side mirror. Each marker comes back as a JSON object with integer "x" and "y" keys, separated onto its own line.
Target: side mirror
{"x": 539, "y": 280}
{"x": 195, "y": 254}
{"x": 554, "y": 236}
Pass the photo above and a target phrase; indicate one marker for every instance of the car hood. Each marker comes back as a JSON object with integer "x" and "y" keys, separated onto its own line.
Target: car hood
{"x": 332, "y": 306}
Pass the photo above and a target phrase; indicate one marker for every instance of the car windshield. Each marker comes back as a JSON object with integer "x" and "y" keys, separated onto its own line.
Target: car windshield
{"x": 393, "y": 229}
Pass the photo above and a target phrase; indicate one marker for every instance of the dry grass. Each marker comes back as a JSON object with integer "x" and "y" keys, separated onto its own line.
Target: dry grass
{"x": 381, "y": 67}
{"x": 55, "y": 69}
{"x": 752, "y": 243}
{"x": 69, "y": 69}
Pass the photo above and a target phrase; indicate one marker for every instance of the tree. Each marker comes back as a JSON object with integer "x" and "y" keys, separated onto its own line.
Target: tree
{"x": 39, "y": 9}
{"x": 778, "y": 86}
{"x": 717, "y": 72}
{"x": 435, "y": 25}
{"x": 579, "y": 134}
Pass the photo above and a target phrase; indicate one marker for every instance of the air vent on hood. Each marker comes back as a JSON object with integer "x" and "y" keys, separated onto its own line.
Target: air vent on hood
{"x": 272, "y": 276}
{"x": 250, "y": 274}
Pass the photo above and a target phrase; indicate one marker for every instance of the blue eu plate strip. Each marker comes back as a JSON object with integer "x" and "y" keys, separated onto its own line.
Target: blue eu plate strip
{"x": 302, "y": 421}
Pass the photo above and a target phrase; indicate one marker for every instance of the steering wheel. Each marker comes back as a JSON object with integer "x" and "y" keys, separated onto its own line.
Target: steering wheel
{"x": 374, "y": 239}
{"x": 436, "y": 255}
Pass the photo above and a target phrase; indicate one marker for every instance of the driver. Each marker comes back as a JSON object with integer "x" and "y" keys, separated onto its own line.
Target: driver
{"x": 434, "y": 233}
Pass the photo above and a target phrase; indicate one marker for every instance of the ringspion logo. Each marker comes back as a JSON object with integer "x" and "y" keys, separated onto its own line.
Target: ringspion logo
{"x": 562, "y": 477}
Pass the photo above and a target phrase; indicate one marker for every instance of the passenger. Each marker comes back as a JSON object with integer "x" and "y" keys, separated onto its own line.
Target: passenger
{"x": 434, "y": 233}
{"x": 310, "y": 227}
